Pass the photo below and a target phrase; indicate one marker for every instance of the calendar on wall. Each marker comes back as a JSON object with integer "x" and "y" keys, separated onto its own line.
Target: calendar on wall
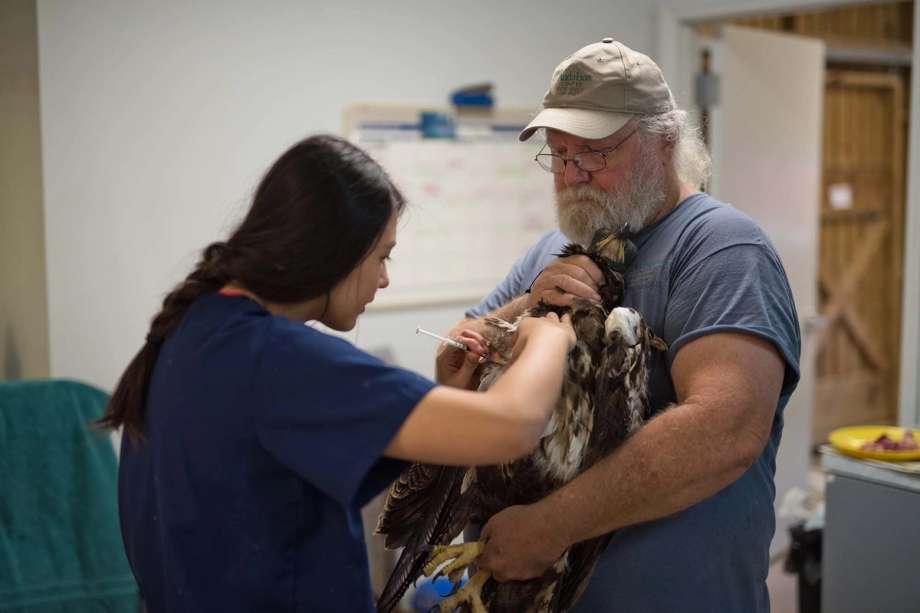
{"x": 476, "y": 199}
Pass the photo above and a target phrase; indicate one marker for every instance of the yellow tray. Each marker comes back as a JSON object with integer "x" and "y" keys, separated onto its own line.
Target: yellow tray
{"x": 850, "y": 441}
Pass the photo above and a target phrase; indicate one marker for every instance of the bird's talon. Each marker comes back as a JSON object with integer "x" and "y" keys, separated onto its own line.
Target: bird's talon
{"x": 461, "y": 556}
{"x": 470, "y": 594}
{"x": 455, "y": 575}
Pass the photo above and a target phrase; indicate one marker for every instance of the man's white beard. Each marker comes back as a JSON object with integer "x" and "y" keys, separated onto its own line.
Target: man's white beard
{"x": 584, "y": 209}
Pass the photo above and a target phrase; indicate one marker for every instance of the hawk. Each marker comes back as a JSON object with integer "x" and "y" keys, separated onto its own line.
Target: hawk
{"x": 603, "y": 400}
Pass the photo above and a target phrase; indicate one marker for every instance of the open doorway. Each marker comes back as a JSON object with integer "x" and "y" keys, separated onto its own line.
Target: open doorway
{"x": 860, "y": 273}
{"x": 859, "y": 207}
{"x": 850, "y": 45}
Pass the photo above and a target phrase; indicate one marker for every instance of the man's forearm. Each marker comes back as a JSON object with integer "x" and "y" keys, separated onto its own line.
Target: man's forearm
{"x": 670, "y": 464}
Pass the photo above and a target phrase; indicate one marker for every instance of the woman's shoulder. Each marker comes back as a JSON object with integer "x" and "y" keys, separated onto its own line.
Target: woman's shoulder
{"x": 297, "y": 352}
{"x": 309, "y": 340}
{"x": 240, "y": 326}
{"x": 301, "y": 361}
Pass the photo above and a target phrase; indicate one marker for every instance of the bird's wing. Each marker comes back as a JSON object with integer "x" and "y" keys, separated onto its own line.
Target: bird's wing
{"x": 620, "y": 403}
{"x": 611, "y": 402}
{"x": 406, "y": 501}
{"x": 425, "y": 506}
{"x": 609, "y": 428}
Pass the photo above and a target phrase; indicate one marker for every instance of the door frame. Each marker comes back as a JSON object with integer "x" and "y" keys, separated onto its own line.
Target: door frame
{"x": 675, "y": 44}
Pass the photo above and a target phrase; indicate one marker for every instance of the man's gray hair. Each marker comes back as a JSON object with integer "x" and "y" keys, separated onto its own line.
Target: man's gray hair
{"x": 691, "y": 159}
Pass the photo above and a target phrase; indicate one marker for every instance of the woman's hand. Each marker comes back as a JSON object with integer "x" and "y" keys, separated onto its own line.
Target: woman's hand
{"x": 549, "y": 325}
{"x": 456, "y": 367}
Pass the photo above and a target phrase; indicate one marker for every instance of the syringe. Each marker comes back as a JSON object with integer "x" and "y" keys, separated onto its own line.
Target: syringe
{"x": 447, "y": 341}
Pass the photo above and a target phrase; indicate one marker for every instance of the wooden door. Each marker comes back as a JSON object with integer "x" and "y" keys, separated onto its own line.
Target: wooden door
{"x": 861, "y": 250}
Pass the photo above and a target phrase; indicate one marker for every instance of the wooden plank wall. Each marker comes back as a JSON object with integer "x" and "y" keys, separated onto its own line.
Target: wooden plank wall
{"x": 872, "y": 25}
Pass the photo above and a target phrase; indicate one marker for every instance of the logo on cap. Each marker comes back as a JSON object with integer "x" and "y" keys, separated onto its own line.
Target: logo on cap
{"x": 571, "y": 83}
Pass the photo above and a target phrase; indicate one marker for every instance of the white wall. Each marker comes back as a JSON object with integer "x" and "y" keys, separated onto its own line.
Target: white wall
{"x": 158, "y": 119}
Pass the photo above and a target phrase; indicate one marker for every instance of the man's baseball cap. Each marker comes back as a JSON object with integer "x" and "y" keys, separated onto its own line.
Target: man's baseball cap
{"x": 598, "y": 89}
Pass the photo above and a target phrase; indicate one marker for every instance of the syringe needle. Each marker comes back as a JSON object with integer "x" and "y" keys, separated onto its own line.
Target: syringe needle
{"x": 443, "y": 339}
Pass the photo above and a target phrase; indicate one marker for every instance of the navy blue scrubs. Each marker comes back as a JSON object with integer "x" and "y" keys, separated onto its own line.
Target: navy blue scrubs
{"x": 264, "y": 439}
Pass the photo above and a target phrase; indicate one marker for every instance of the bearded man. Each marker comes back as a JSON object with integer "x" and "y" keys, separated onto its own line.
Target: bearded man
{"x": 689, "y": 497}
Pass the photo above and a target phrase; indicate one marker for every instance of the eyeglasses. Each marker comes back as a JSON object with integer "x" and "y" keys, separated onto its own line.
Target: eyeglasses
{"x": 589, "y": 161}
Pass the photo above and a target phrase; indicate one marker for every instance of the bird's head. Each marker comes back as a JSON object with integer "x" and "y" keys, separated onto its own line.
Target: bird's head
{"x": 615, "y": 246}
{"x": 629, "y": 326}
{"x": 612, "y": 252}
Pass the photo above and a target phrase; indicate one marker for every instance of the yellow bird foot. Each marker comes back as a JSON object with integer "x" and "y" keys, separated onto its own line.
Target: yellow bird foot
{"x": 458, "y": 558}
{"x": 471, "y": 594}
{"x": 462, "y": 555}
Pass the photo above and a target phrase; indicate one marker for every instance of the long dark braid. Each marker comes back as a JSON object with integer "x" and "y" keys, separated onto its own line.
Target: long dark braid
{"x": 128, "y": 403}
{"x": 316, "y": 214}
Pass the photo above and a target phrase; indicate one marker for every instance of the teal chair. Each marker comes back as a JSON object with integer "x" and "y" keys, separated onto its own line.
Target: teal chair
{"x": 60, "y": 543}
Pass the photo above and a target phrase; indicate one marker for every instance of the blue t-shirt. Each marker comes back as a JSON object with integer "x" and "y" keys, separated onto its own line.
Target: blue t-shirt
{"x": 264, "y": 439}
{"x": 704, "y": 268}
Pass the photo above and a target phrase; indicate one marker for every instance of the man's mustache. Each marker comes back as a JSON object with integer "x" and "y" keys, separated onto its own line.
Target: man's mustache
{"x": 581, "y": 193}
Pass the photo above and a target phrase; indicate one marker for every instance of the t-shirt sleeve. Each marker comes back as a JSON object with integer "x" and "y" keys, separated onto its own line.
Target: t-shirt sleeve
{"x": 738, "y": 287}
{"x": 522, "y": 274}
{"x": 330, "y": 410}
{"x": 507, "y": 290}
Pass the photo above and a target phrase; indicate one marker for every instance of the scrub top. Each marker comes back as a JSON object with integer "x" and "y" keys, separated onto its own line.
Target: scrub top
{"x": 263, "y": 440}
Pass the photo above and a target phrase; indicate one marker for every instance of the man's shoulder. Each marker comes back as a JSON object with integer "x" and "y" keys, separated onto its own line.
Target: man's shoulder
{"x": 703, "y": 218}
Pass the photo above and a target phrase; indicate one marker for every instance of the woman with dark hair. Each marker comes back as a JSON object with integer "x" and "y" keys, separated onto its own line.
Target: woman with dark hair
{"x": 252, "y": 441}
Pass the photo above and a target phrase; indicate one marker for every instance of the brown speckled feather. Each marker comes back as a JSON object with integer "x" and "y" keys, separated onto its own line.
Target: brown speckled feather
{"x": 424, "y": 507}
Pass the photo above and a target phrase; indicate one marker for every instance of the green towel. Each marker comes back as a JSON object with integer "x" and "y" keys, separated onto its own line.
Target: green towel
{"x": 60, "y": 543}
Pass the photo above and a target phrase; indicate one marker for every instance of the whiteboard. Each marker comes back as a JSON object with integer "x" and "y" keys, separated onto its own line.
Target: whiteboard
{"x": 476, "y": 202}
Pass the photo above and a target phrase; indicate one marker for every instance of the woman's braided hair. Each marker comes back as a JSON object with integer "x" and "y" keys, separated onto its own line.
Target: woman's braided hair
{"x": 316, "y": 214}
